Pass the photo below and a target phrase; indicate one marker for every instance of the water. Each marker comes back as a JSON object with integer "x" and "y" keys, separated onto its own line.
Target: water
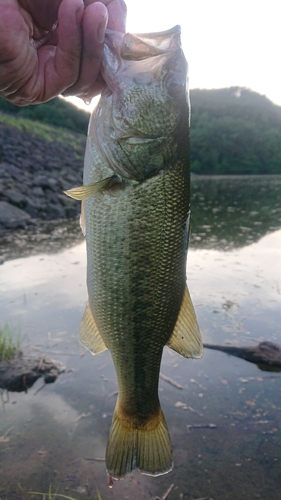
{"x": 52, "y": 436}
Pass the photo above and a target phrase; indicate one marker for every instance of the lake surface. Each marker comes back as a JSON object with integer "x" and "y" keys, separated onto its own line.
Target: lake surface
{"x": 53, "y": 438}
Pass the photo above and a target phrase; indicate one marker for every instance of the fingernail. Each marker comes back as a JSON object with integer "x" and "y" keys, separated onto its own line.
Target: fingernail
{"x": 101, "y": 30}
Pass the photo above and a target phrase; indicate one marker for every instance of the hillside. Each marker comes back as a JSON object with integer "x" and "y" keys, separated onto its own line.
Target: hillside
{"x": 56, "y": 112}
{"x": 234, "y": 131}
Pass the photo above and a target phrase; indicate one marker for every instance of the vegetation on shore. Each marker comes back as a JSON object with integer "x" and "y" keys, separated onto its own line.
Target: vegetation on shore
{"x": 9, "y": 343}
{"x": 53, "y": 496}
{"x": 233, "y": 130}
{"x": 44, "y": 130}
{"x": 56, "y": 112}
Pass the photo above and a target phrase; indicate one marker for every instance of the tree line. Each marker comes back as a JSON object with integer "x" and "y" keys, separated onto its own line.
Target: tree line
{"x": 57, "y": 112}
{"x": 233, "y": 130}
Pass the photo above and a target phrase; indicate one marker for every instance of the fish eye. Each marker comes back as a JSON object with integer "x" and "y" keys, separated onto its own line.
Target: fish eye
{"x": 175, "y": 84}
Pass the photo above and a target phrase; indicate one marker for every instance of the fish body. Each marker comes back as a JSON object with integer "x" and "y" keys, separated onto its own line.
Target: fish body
{"x": 135, "y": 213}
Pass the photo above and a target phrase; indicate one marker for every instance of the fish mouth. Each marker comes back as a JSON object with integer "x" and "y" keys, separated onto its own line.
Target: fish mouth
{"x": 140, "y": 46}
{"x": 120, "y": 49}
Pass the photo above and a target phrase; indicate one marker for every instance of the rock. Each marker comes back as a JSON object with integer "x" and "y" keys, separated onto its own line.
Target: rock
{"x": 4, "y": 170}
{"x": 34, "y": 172}
{"x": 44, "y": 182}
{"x": 15, "y": 197}
{"x": 38, "y": 192}
{"x": 66, "y": 201}
{"x": 56, "y": 212}
{"x": 12, "y": 217}
{"x": 19, "y": 373}
{"x": 14, "y": 171}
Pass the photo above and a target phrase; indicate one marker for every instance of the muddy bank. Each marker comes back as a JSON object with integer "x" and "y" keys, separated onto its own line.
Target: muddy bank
{"x": 34, "y": 172}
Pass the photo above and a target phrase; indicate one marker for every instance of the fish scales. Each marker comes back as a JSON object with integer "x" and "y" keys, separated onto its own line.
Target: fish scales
{"x": 139, "y": 241}
{"x": 135, "y": 212}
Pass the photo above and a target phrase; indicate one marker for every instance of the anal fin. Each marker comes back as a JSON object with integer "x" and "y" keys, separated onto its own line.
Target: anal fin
{"x": 186, "y": 337}
{"x": 89, "y": 335}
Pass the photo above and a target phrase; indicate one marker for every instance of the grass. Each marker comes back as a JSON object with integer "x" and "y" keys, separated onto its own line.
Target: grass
{"x": 99, "y": 497}
{"x": 48, "y": 132}
{"x": 9, "y": 342}
{"x": 52, "y": 496}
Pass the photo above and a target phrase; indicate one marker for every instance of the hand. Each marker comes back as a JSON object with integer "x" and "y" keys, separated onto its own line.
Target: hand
{"x": 49, "y": 47}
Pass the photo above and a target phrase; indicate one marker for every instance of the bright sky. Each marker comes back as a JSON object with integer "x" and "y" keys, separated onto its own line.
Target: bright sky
{"x": 226, "y": 43}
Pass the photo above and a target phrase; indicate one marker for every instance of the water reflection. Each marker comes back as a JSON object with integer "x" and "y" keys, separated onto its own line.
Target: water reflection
{"x": 58, "y": 435}
{"x": 227, "y": 213}
{"x": 42, "y": 237}
{"x": 232, "y": 212}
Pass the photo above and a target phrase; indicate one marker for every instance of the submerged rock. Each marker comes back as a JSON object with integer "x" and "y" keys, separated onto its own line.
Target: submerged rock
{"x": 20, "y": 373}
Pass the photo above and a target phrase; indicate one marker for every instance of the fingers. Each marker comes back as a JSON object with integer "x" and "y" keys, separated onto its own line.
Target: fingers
{"x": 97, "y": 16}
{"x": 117, "y": 12}
{"x": 44, "y": 14}
{"x": 59, "y": 66}
{"x": 89, "y": 83}
{"x": 15, "y": 48}
{"x": 65, "y": 60}
{"x": 45, "y": 71}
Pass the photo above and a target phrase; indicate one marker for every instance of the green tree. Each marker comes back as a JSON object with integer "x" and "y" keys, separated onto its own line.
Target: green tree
{"x": 234, "y": 131}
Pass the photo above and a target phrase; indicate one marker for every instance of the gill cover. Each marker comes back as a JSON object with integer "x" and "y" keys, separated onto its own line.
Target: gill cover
{"x": 144, "y": 106}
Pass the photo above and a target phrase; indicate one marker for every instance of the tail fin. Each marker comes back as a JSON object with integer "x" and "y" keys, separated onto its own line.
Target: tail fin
{"x": 146, "y": 448}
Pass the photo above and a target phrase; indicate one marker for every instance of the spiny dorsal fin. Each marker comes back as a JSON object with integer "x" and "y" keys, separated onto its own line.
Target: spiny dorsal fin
{"x": 89, "y": 336}
{"x": 84, "y": 192}
{"x": 186, "y": 337}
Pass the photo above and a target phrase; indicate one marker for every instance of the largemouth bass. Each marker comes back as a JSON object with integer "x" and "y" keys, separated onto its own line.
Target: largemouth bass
{"x": 135, "y": 213}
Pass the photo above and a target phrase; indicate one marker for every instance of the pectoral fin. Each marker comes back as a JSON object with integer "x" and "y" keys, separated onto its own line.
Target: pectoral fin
{"x": 186, "y": 337}
{"x": 84, "y": 192}
{"x": 89, "y": 335}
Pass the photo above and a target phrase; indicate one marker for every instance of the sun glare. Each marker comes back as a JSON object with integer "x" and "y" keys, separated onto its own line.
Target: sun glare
{"x": 225, "y": 44}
